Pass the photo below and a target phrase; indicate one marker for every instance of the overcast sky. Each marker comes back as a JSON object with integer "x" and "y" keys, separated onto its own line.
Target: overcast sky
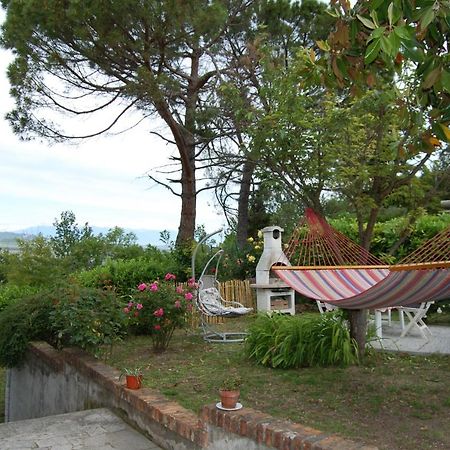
{"x": 101, "y": 180}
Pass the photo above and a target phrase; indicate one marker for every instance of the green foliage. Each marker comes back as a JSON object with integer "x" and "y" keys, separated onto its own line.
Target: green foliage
{"x": 4, "y": 261}
{"x": 35, "y": 265}
{"x": 68, "y": 234}
{"x": 305, "y": 340}
{"x": 240, "y": 263}
{"x": 9, "y": 293}
{"x": 124, "y": 276}
{"x": 374, "y": 40}
{"x": 232, "y": 382}
{"x": 159, "y": 308}
{"x": 22, "y": 322}
{"x": 46, "y": 261}
{"x": 87, "y": 318}
{"x": 386, "y": 234}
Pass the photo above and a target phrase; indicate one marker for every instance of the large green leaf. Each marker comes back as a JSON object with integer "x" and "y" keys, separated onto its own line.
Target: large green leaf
{"x": 445, "y": 78}
{"x": 367, "y": 22}
{"x": 395, "y": 42}
{"x": 404, "y": 33}
{"x": 427, "y": 17}
{"x": 377, "y": 33}
{"x": 386, "y": 45}
{"x": 431, "y": 78}
{"x": 372, "y": 51}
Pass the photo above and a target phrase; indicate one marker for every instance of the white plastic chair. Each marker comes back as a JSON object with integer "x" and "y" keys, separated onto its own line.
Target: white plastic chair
{"x": 415, "y": 315}
{"x": 325, "y": 307}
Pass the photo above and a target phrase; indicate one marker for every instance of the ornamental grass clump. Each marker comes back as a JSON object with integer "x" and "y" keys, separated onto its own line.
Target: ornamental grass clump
{"x": 305, "y": 340}
{"x": 159, "y": 308}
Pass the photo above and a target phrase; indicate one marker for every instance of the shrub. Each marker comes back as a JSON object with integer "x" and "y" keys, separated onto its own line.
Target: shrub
{"x": 387, "y": 233}
{"x": 87, "y": 318}
{"x": 285, "y": 341}
{"x": 9, "y": 293}
{"x": 159, "y": 307}
{"x": 21, "y": 323}
{"x": 123, "y": 276}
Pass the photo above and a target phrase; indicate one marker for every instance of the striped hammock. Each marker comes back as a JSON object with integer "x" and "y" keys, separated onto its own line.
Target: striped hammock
{"x": 362, "y": 282}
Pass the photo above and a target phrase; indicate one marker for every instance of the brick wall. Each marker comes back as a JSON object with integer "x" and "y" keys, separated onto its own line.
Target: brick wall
{"x": 78, "y": 381}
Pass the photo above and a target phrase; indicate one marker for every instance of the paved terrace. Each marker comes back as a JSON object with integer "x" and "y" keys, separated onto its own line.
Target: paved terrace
{"x": 97, "y": 429}
{"x": 413, "y": 342}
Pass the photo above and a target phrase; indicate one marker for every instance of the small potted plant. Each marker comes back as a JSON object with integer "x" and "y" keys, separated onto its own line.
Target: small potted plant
{"x": 133, "y": 377}
{"x": 229, "y": 393}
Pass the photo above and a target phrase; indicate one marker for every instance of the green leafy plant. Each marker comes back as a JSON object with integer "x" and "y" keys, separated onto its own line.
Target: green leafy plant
{"x": 9, "y": 293}
{"x": 22, "y": 322}
{"x": 87, "y": 318}
{"x": 231, "y": 383}
{"x": 122, "y": 276}
{"x": 159, "y": 308}
{"x": 134, "y": 371}
{"x": 301, "y": 341}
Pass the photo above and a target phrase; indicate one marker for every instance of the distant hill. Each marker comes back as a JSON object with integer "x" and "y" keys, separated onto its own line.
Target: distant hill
{"x": 8, "y": 240}
{"x": 144, "y": 237}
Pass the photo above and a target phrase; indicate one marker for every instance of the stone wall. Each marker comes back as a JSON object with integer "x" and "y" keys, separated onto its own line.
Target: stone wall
{"x": 55, "y": 382}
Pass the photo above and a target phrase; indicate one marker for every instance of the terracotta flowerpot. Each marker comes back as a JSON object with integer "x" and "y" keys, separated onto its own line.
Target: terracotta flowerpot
{"x": 134, "y": 381}
{"x": 229, "y": 399}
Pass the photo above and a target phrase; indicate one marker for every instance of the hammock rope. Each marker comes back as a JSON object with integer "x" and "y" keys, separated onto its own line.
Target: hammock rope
{"x": 315, "y": 243}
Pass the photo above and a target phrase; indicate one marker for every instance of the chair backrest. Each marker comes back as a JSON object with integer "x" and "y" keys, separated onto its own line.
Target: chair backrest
{"x": 208, "y": 281}
{"x": 325, "y": 307}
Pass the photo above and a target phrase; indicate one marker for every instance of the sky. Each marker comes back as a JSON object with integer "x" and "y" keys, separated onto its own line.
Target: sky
{"x": 101, "y": 180}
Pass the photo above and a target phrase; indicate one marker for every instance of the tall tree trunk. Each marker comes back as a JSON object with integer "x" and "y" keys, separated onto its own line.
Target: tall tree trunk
{"x": 368, "y": 232}
{"x": 358, "y": 328}
{"x": 188, "y": 196}
{"x": 244, "y": 196}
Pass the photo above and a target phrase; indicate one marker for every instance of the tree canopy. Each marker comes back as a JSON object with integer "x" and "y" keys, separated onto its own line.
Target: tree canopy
{"x": 81, "y": 59}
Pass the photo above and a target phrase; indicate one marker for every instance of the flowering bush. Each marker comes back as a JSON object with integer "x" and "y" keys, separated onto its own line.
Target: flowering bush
{"x": 160, "y": 307}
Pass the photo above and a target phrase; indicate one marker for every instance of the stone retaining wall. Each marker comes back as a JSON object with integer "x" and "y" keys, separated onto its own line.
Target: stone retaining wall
{"x": 56, "y": 382}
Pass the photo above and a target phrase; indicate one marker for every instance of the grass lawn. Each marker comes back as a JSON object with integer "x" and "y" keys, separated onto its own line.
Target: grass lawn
{"x": 393, "y": 401}
{"x": 2, "y": 394}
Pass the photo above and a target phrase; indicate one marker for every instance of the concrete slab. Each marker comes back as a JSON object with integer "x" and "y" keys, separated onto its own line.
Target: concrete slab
{"x": 413, "y": 342}
{"x": 97, "y": 429}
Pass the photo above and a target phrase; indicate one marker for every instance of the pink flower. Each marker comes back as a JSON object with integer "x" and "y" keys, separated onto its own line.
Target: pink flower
{"x": 142, "y": 287}
{"x": 191, "y": 282}
{"x": 154, "y": 287}
{"x": 136, "y": 314}
{"x": 126, "y": 310}
{"x": 188, "y": 296}
{"x": 139, "y": 306}
{"x": 189, "y": 307}
{"x": 178, "y": 304}
{"x": 130, "y": 305}
{"x": 170, "y": 276}
{"x": 179, "y": 289}
{"x": 159, "y": 312}
{"x": 157, "y": 327}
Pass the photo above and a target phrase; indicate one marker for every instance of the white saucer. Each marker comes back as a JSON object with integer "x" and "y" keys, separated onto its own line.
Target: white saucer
{"x": 219, "y": 406}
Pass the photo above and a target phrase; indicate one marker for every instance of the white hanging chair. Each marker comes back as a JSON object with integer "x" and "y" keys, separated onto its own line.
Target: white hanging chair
{"x": 211, "y": 304}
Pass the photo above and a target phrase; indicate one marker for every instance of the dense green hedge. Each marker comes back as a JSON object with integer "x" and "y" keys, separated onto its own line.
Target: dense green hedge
{"x": 387, "y": 233}
{"x": 124, "y": 276}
